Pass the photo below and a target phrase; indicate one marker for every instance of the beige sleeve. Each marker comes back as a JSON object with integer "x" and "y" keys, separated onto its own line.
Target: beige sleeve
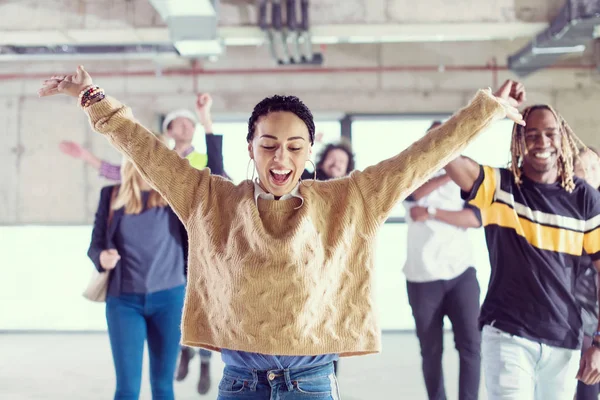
{"x": 392, "y": 180}
{"x": 182, "y": 186}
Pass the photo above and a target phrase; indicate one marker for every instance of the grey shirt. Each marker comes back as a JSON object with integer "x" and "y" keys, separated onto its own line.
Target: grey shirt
{"x": 150, "y": 245}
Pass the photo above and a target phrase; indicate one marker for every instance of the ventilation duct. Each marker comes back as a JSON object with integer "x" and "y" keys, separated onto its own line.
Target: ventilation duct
{"x": 192, "y": 26}
{"x": 85, "y": 52}
{"x": 570, "y": 32}
{"x": 290, "y": 42}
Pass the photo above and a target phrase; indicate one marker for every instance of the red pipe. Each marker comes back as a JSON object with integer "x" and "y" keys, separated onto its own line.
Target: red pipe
{"x": 303, "y": 70}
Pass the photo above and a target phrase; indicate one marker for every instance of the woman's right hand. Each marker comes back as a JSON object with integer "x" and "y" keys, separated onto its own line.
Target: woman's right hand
{"x": 109, "y": 258}
{"x": 71, "y": 85}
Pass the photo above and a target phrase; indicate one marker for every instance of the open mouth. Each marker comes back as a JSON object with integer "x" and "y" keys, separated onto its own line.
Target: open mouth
{"x": 280, "y": 176}
{"x": 543, "y": 156}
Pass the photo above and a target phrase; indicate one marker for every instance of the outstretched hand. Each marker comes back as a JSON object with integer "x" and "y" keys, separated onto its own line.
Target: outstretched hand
{"x": 71, "y": 85}
{"x": 72, "y": 149}
{"x": 512, "y": 95}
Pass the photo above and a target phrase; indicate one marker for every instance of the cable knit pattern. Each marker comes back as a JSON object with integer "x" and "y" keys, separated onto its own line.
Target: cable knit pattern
{"x": 273, "y": 278}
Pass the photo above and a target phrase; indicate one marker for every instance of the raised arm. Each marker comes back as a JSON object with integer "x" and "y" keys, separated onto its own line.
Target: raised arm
{"x": 182, "y": 186}
{"x": 105, "y": 169}
{"x": 465, "y": 218}
{"x": 464, "y": 172}
{"x": 391, "y": 180}
{"x": 214, "y": 143}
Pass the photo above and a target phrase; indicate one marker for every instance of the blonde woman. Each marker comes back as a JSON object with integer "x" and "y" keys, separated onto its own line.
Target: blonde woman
{"x": 280, "y": 271}
{"x": 143, "y": 245}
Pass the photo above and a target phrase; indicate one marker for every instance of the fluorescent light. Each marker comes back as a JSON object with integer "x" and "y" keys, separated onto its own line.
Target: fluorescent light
{"x": 244, "y": 41}
{"x": 178, "y": 8}
{"x": 558, "y": 50}
{"x": 189, "y": 48}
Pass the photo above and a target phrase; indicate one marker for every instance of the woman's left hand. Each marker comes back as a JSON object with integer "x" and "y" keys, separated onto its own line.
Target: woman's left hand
{"x": 511, "y": 95}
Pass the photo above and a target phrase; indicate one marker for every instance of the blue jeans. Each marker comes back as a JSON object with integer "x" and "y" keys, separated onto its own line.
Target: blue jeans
{"x": 133, "y": 318}
{"x": 316, "y": 383}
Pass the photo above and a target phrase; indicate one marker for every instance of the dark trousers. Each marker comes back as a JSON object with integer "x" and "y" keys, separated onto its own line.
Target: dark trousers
{"x": 134, "y": 318}
{"x": 457, "y": 298}
{"x": 587, "y": 392}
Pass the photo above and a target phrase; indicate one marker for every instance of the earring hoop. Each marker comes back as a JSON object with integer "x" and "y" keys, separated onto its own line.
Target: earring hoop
{"x": 314, "y": 175}
{"x": 253, "y": 169}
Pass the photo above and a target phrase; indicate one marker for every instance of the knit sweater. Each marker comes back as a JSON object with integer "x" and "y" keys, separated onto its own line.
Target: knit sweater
{"x": 272, "y": 277}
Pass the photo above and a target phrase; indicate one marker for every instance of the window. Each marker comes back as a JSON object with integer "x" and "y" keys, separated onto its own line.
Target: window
{"x": 374, "y": 140}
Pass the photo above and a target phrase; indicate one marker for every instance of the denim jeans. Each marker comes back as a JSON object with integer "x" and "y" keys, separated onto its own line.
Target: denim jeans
{"x": 316, "y": 383}
{"x": 134, "y": 318}
{"x": 205, "y": 355}
{"x": 457, "y": 298}
{"x": 521, "y": 369}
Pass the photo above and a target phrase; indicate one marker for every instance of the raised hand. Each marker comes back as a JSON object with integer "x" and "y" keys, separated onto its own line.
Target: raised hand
{"x": 109, "y": 258}
{"x": 72, "y": 149}
{"x": 71, "y": 85}
{"x": 203, "y": 106}
{"x": 511, "y": 95}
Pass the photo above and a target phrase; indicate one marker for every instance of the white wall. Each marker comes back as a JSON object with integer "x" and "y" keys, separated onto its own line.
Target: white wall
{"x": 47, "y": 269}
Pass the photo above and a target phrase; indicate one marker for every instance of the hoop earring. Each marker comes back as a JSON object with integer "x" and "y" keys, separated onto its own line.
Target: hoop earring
{"x": 253, "y": 170}
{"x": 314, "y": 175}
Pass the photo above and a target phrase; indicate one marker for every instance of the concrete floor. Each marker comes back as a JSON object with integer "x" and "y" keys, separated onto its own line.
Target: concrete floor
{"x": 79, "y": 366}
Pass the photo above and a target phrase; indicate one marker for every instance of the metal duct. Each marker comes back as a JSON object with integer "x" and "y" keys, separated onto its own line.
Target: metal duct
{"x": 292, "y": 36}
{"x": 192, "y": 26}
{"x": 289, "y": 44}
{"x": 570, "y": 32}
{"x": 86, "y": 52}
{"x": 277, "y": 35}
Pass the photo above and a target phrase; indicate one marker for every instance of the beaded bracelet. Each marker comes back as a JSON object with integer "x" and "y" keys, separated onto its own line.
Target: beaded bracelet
{"x": 87, "y": 101}
{"x": 89, "y": 94}
{"x": 83, "y": 92}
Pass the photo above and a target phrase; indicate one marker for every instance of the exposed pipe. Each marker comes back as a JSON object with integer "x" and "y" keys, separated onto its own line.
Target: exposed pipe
{"x": 305, "y": 33}
{"x": 292, "y": 36}
{"x": 305, "y": 70}
{"x": 265, "y": 26}
{"x": 277, "y": 32}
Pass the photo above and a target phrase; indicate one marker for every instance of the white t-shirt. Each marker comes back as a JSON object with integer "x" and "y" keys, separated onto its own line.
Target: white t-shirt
{"x": 436, "y": 250}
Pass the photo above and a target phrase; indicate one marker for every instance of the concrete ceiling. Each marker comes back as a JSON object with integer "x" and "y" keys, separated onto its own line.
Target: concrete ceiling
{"x": 135, "y": 22}
{"x": 95, "y": 14}
{"x": 26, "y": 22}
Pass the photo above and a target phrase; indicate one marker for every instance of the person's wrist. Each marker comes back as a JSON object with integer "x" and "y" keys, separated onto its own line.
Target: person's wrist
{"x": 431, "y": 212}
{"x": 207, "y": 125}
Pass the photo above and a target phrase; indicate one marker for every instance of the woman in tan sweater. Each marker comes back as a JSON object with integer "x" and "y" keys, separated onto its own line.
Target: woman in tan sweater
{"x": 280, "y": 270}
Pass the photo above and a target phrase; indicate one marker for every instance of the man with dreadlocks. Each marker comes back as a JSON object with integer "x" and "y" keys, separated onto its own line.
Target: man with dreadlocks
{"x": 538, "y": 218}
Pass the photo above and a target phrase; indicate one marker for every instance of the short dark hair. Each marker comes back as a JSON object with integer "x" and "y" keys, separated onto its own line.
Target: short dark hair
{"x": 282, "y": 103}
{"x": 342, "y": 145}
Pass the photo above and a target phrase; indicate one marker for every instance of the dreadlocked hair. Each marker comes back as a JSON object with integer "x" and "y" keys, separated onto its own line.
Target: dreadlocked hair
{"x": 282, "y": 103}
{"x": 569, "y": 153}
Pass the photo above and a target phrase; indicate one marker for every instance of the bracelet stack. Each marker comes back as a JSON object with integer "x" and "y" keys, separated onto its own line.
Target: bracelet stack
{"x": 89, "y": 94}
